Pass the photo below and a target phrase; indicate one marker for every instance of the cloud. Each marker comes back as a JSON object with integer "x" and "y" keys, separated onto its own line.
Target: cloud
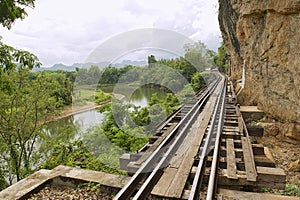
{"x": 138, "y": 40}
{"x": 68, "y": 31}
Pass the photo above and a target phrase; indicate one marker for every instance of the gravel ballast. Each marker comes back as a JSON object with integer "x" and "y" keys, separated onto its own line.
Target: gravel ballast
{"x": 81, "y": 192}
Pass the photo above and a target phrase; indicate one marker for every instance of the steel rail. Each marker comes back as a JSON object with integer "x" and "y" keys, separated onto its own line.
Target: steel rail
{"x": 214, "y": 170}
{"x": 144, "y": 170}
{"x": 203, "y": 153}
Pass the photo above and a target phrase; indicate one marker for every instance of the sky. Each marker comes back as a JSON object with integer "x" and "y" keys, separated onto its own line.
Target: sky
{"x": 68, "y": 31}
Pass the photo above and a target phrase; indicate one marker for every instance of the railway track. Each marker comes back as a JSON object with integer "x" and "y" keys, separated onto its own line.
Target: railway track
{"x": 149, "y": 173}
{"x": 211, "y": 142}
{"x": 203, "y": 144}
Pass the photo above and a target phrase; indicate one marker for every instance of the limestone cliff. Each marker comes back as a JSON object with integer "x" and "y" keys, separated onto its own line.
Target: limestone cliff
{"x": 264, "y": 35}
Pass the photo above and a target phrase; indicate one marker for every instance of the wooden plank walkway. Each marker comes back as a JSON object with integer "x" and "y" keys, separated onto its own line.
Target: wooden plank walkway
{"x": 250, "y": 167}
{"x": 231, "y": 161}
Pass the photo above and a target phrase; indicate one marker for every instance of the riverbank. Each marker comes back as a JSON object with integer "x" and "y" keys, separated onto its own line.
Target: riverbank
{"x": 73, "y": 109}
{"x": 76, "y": 109}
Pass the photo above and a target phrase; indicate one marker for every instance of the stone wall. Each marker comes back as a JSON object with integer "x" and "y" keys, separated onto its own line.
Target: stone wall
{"x": 265, "y": 35}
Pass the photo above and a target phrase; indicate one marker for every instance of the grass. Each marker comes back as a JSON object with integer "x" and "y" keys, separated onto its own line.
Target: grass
{"x": 83, "y": 93}
{"x": 255, "y": 123}
{"x": 107, "y": 88}
{"x": 91, "y": 185}
{"x": 290, "y": 190}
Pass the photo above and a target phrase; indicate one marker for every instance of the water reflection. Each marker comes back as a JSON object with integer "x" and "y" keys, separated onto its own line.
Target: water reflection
{"x": 75, "y": 125}
{"x": 88, "y": 119}
{"x": 142, "y": 96}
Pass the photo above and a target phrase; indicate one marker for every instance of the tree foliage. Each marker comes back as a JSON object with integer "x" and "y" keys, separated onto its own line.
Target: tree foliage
{"x": 101, "y": 97}
{"x": 128, "y": 137}
{"x": 197, "y": 81}
{"x": 12, "y": 59}
{"x": 11, "y": 10}
{"x": 76, "y": 154}
{"x": 26, "y": 104}
{"x": 198, "y": 55}
{"x": 180, "y": 65}
{"x": 151, "y": 60}
{"x": 3, "y": 183}
{"x": 62, "y": 83}
{"x": 28, "y": 100}
{"x": 169, "y": 104}
{"x": 222, "y": 59}
{"x": 127, "y": 125}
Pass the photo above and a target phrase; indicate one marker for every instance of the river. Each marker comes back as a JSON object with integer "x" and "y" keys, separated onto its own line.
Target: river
{"x": 84, "y": 121}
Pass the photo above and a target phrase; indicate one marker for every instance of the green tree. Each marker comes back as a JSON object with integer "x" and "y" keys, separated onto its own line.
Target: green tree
{"x": 196, "y": 55}
{"x": 63, "y": 86}
{"x": 153, "y": 99}
{"x": 186, "y": 67}
{"x": 170, "y": 103}
{"x": 82, "y": 75}
{"x": 181, "y": 65}
{"x": 101, "y": 97}
{"x": 26, "y": 100}
{"x": 222, "y": 59}
{"x": 130, "y": 137}
{"x": 26, "y": 105}
{"x": 98, "y": 143}
{"x": 3, "y": 183}
{"x": 151, "y": 60}
{"x": 110, "y": 75}
{"x": 210, "y": 55}
{"x": 197, "y": 81}
{"x": 75, "y": 154}
{"x": 11, "y": 10}
{"x": 94, "y": 74}
{"x": 140, "y": 116}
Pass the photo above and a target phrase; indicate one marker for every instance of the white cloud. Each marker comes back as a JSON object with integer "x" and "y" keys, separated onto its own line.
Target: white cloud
{"x": 66, "y": 31}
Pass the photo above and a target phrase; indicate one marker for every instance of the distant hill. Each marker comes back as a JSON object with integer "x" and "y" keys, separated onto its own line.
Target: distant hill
{"x": 130, "y": 62}
{"x": 88, "y": 65}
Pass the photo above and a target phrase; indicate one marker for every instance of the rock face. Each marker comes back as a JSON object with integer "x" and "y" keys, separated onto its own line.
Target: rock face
{"x": 294, "y": 166}
{"x": 264, "y": 36}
